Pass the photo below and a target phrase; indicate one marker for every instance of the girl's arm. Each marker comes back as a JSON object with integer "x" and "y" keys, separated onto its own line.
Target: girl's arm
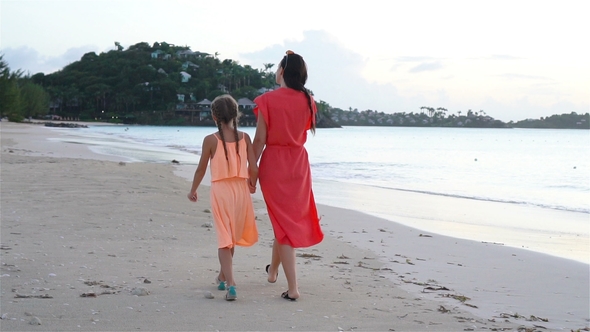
{"x": 252, "y": 167}
{"x": 260, "y": 137}
{"x": 208, "y": 145}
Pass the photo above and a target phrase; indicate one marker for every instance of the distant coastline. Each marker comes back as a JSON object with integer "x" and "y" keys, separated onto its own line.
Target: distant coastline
{"x": 441, "y": 119}
{"x": 369, "y": 118}
{"x": 164, "y": 84}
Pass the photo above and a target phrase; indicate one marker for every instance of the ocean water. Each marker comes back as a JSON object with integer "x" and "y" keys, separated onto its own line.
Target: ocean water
{"x": 524, "y": 172}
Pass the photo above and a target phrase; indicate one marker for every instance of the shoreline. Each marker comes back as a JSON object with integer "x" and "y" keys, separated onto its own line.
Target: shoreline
{"x": 525, "y": 226}
{"x": 497, "y": 279}
{"x": 477, "y": 220}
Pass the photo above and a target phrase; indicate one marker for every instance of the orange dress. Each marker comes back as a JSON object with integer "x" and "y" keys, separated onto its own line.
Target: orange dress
{"x": 284, "y": 171}
{"x": 231, "y": 203}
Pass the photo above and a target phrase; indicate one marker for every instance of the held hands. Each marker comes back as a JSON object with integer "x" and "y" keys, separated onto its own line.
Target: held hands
{"x": 251, "y": 186}
{"x": 192, "y": 196}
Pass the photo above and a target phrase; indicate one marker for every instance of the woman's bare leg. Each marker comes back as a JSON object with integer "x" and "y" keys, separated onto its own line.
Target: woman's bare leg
{"x": 275, "y": 261}
{"x": 287, "y": 254}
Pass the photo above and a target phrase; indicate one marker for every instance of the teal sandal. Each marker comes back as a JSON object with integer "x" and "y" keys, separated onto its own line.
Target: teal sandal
{"x": 231, "y": 294}
{"x": 220, "y": 284}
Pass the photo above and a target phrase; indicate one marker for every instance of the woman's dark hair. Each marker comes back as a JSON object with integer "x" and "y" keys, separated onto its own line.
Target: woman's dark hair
{"x": 225, "y": 110}
{"x": 295, "y": 76}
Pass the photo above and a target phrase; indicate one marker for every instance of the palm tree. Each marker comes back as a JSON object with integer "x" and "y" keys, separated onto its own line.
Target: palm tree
{"x": 268, "y": 66}
{"x": 429, "y": 109}
{"x": 241, "y": 76}
{"x": 442, "y": 111}
{"x": 269, "y": 75}
{"x": 248, "y": 72}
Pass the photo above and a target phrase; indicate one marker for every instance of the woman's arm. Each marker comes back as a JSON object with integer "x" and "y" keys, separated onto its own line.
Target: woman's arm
{"x": 252, "y": 167}
{"x": 259, "y": 137}
{"x": 208, "y": 144}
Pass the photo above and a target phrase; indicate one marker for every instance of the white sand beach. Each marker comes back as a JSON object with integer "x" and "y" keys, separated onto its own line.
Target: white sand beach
{"x": 91, "y": 242}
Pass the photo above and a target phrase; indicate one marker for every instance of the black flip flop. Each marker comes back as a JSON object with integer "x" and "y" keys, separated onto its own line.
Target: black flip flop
{"x": 268, "y": 267}
{"x": 286, "y": 296}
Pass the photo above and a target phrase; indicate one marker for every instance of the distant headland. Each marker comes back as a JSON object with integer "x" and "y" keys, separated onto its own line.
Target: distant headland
{"x": 165, "y": 84}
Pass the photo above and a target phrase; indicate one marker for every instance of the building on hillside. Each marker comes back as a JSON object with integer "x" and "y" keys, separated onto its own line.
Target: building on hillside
{"x": 193, "y": 112}
{"x": 246, "y": 104}
{"x": 157, "y": 53}
{"x": 184, "y": 77}
{"x": 187, "y": 64}
{"x": 204, "y": 103}
{"x": 185, "y": 54}
{"x": 202, "y": 54}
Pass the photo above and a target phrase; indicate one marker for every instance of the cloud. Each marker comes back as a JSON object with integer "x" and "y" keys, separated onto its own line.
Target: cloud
{"x": 504, "y": 57}
{"x": 512, "y": 76}
{"x": 426, "y": 66}
{"x": 499, "y": 57}
{"x": 31, "y": 61}
{"x": 335, "y": 73}
{"x": 415, "y": 58}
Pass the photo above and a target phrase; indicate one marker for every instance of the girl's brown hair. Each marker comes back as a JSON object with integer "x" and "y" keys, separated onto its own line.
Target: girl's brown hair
{"x": 295, "y": 76}
{"x": 225, "y": 110}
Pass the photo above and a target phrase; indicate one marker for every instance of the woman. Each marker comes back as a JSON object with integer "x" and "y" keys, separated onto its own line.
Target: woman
{"x": 283, "y": 118}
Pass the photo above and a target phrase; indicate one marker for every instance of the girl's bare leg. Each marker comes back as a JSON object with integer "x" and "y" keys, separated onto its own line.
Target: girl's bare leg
{"x": 226, "y": 273}
{"x": 275, "y": 261}
{"x": 287, "y": 254}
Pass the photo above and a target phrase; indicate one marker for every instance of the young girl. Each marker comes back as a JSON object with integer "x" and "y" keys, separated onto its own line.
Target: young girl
{"x": 233, "y": 177}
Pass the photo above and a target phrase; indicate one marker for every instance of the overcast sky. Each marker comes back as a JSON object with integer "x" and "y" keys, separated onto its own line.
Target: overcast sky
{"x": 512, "y": 59}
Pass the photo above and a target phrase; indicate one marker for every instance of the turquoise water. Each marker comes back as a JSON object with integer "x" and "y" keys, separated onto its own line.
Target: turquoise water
{"x": 545, "y": 173}
{"x": 547, "y": 168}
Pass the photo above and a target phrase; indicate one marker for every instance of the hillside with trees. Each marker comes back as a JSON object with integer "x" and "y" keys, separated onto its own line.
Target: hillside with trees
{"x": 159, "y": 84}
{"x": 165, "y": 84}
{"x": 147, "y": 84}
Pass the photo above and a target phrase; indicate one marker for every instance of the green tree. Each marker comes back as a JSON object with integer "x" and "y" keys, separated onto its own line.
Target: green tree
{"x": 34, "y": 100}
{"x": 9, "y": 91}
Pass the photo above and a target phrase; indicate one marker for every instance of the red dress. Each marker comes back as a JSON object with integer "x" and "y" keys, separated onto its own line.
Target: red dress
{"x": 284, "y": 171}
